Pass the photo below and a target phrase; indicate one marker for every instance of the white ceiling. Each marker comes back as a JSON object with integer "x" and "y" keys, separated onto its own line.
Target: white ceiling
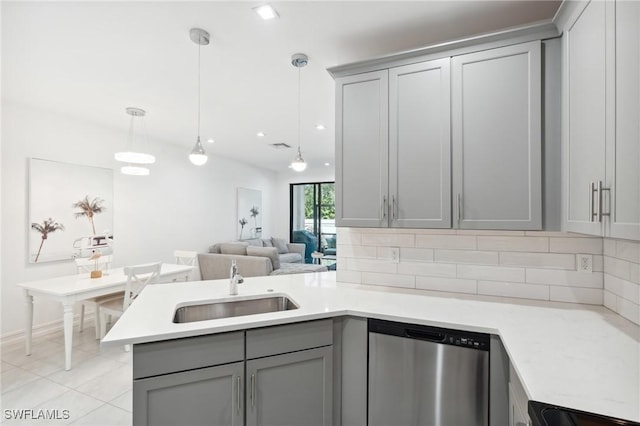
{"x": 93, "y": 59}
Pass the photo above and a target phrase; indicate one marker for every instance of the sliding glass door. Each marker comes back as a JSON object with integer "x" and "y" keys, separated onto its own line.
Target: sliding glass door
{"x": 313, "y": 217}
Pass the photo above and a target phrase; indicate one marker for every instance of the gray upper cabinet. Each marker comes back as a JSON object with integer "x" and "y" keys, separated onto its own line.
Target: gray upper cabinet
{"x": 496, "y": 113}
{"x": 584, "y": 119}
{"x": 420, "y": 145}
{"x": 362, "y": 144}
{"x": 393, "y": 147}
{"x": 291, "y": 389}
{"x": 623, "y": 167}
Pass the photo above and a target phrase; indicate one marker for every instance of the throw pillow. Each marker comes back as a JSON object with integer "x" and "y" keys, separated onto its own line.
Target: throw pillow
{"x": 280, "y": 244}
{"x": 267, "y": 242}
{"x": 270, "y": 252}
{"x": 214, "y": 248}
{"x": 254, "y": 242}
{"x": 234, "y": 248}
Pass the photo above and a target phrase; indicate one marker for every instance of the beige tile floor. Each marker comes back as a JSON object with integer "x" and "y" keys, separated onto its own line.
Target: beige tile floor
{"x": 96, "y": 391}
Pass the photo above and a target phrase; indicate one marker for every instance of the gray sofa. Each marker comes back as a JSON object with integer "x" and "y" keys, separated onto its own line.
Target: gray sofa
{"x": 287, "y": 252}
{"x": 254, "y": 260}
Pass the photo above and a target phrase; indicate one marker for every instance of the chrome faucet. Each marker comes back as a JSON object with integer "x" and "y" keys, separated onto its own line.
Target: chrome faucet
{"x": 233, "y": 278}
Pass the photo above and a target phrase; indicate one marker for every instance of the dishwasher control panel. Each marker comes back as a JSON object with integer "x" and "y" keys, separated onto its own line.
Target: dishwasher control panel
{"x": 445, "y": 336}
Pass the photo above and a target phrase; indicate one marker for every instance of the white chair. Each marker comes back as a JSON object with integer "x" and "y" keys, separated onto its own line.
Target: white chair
{"x": 185, "y": 258}
{"x": 137, "y": 278}
{"x": 85, "y": 266}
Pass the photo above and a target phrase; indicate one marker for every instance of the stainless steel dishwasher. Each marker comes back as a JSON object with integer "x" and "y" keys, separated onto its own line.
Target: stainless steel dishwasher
{"x": 427, "y": 376}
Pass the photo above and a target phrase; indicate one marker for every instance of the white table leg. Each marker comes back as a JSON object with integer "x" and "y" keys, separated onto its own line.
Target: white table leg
{"x": 28, "y": 327}
{"x": 68, "y": 333}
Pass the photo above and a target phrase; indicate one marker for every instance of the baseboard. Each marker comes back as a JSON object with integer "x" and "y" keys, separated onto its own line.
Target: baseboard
{"x": 46, "y": 328}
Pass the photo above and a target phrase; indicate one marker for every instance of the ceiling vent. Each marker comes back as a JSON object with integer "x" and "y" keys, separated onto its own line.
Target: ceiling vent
{"x": 280, "y": 145}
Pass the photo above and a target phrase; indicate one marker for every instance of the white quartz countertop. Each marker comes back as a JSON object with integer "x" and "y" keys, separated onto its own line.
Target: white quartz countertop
{"x": 578, "y": 356}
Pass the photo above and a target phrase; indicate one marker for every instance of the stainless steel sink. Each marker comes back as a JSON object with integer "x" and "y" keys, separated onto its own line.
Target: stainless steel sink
{"x": 233, "y": 308}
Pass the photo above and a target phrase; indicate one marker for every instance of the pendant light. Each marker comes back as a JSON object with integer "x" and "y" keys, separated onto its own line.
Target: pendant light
{"x": 198, "y": 155}
{"x": 299, "y": 60}
{"x": 130, "y": 156}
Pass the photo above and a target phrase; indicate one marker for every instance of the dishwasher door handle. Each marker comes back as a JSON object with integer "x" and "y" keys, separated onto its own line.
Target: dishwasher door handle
{"x": 432, "y": 336}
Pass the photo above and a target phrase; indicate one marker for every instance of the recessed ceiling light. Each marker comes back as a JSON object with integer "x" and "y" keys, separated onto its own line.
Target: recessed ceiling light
{"x": 211, "y": 140}
{"x": 327, "y": 164}
{"x": 260, "y": 134}
{"x": 319, "y": 127}
{"x": 266, "y": 11}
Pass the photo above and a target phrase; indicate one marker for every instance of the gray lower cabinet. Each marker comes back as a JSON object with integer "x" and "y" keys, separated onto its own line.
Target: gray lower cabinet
{"x": 281, "y": 375}
{"x": 207, "y": 396}
{"x": 291, "y": 389}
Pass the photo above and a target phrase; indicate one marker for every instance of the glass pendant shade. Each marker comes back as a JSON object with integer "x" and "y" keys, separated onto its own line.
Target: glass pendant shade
{"x": 298, "y": 164}
{"x": 134, "y": 171}
{"x": 131, "y": 156}
{"x": 134, "y": 157}
{"x": 198, "y": 156}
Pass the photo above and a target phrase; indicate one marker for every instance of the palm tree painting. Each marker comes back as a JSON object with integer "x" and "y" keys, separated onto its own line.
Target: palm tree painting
{"x": 255, "y": 211}
{"x": 45, "y": 228}
{"x": 89, "y": 208}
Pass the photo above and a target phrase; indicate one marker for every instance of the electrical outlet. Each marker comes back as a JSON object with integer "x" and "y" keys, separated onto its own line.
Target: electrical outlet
{"x": 585, "y": 262}
{"x": 395, "y": 254}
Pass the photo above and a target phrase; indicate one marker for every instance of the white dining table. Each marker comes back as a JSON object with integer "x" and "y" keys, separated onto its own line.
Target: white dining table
{"x": 70, "y": 289}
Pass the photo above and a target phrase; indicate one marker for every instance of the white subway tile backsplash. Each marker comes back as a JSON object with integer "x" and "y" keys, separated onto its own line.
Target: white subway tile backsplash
{"x": 346, "y": 250}
{"x": 466, "y": 256}
{"x": 523, "y": 291}
{"x": 617, "y": 267}
{"x": 629, "y": 310}
{"x": 491, "y": 273}
{"x": 389, "y": 240}
{"x": 527, "y": 244}
{"x": 609, "y": 247}
{"x": 348, "y": 236}
{"x": 427, "y": 269}
{"x": 454, "y": 285}
{"x": 371, "y": 265}
{"x": 558, "y": 277}
{"x": 446, "y": 241}
{"x": 490, "y": 232}
{"x": 389, "y": 280}
{"x": 575, "y": 245}
{"x": 346, "y": 276}
{"x": 628, "y": 250}
{"x": 539, "y": 260}
{"x": 622, "y": 288}
{"x": 590, "y": 296}
{"x": 598, "y": 263}
{"x": 610, "y": 300}
{"x": 525, "y": 264}
{"x": 416, "y": 254}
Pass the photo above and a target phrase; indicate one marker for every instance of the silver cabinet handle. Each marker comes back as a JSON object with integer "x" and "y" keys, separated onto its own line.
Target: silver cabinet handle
{"x": 459, "y": 209}
{"x": 601, "y": 189}
{"x": 393, "y": 207}
{"x": 384, "y": 207}
{"x": 593, "y": 191}
{"x": 253, "y": 390}
{"x": 238, "y": 392}
{"x": 521, "y": 424}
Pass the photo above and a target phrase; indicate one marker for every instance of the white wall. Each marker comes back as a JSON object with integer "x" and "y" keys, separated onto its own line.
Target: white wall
{"x": 284, "y": 179}
{"x": 179, "y": 206}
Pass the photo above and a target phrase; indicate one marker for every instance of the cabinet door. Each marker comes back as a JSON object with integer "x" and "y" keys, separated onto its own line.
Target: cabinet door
{"x": 623, "y": 167}
{"x": 496, "y": 110}
{"x": 291, "y": 389}
{"x": 207, "y": 396}
{"x": 584, "y": 120}
{"x": 362, "y": 144}
{"x": 420, "y": 145}
{"x": 517, "y": 415}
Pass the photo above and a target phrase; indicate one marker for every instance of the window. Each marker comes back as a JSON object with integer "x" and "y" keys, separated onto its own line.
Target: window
{"x": 313, "y": 217}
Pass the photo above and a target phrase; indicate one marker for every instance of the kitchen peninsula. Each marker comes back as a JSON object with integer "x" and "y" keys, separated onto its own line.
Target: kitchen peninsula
{"x": 578, "y": 356}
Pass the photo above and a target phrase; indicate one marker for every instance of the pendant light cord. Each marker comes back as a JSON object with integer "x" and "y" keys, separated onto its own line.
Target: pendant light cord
{"x": 299, "y": 114}
{"x": 199, "y": 47}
